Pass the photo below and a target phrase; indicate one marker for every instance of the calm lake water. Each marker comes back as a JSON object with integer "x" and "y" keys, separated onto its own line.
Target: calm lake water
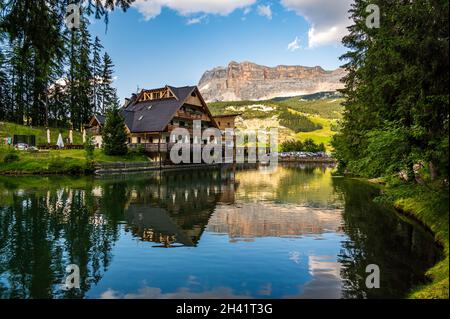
{"x": 295, "y": 233}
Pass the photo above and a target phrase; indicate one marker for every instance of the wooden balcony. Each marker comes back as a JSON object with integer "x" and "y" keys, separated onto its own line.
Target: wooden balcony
{"x": 191, "y": 116}
{"x": 170, "y": 128}
{"x": 153, "y": 147}
{"x": 94, "y": 131}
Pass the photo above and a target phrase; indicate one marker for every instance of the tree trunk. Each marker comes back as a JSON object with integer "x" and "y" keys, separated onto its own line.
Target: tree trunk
{"x": 433, "y": 170}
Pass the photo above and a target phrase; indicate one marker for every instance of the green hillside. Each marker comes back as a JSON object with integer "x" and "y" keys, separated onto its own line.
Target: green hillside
{"x": 300, "y": 117}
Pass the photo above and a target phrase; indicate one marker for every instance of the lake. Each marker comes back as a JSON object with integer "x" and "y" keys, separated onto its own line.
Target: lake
{"x": 297, "y": 232}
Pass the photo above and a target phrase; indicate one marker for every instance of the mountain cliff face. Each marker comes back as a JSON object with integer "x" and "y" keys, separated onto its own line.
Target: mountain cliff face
{"x": 250, "y": 81}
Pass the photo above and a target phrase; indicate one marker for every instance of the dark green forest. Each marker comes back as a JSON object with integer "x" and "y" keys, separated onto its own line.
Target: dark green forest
{"x": 50, "y": 74}
{"x": 396, "y": 116}
{"x": 396, "y": 119}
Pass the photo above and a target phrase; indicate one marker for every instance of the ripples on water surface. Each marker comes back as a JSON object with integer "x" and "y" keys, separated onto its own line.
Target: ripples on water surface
{"x": 295, "y": 233}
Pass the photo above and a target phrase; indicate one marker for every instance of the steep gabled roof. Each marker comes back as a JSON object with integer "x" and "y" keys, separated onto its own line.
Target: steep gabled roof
{"x": 100, "y": 119}
{"x": 155, "y": 115}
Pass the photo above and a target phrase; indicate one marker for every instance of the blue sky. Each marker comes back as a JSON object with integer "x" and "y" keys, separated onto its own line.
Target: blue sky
{"x": 160, "y": 42}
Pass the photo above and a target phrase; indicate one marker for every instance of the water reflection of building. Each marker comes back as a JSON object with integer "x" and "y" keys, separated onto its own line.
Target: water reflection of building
{"x": 175, "y": 207}
{"x": 248, "y": 220}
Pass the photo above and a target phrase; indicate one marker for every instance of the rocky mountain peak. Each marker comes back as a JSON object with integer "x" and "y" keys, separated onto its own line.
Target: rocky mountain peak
{"x": 250, "y": 81}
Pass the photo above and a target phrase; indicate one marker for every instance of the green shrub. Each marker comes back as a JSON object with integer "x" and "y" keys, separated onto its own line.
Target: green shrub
{"x": 307, "y": 146}
{"x": 89, "y": 148}
{"x": 90, "y": 167}
{"x": 75, "y": 169}
{"x": 140, "y": 150}
{"x": 114, "y": 134}
{"x": 56, "y": 165}
{"x": 10, "y": 158}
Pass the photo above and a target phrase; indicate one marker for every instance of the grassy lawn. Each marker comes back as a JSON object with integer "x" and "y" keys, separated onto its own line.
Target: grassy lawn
{"x": 58, "y": 162}
{"x": 428, "y": 204}
{"x": 53, "y": 161}
{"x": 10, "y": 129}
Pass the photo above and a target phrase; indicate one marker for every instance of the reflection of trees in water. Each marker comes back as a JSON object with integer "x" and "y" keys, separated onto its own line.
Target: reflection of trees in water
{"x": 307, "y": 185}
{"x": 41, "y": 232}
{"x": 378, "y": 236}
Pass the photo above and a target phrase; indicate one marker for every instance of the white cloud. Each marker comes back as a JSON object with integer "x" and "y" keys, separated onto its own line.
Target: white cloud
{"x": 247, "y": 10}
{"x": 328, "y": 19}
{"x": 196, "y": 20}
{"x": 294, "y": 45}
{"x": 265, "y": 11}
{"x": 152, "y": 8}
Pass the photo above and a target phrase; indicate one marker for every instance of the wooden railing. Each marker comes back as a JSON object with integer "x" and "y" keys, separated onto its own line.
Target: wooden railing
{"x": 153, "y": 147}
{"x": 171, "y": 127}
{"x": 191, "y": 116}
{"x": 94, "y": 131}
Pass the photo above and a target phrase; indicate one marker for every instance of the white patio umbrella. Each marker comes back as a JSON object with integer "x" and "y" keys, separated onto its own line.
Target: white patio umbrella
{"x": 60, "y": 142}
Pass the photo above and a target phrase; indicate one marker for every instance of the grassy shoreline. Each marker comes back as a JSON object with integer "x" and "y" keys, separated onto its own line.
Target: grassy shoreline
{"x": 428, "y": 204}
{"x": 59, "y": 162}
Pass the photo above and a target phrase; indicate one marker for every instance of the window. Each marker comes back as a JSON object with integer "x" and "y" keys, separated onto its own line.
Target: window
{"x": 193, "y": 94}
{"x": 149, "y": 107}
{"x": 156, "y": 95}
{"x": 140, "y": 118}
{"x": 139, "y": 140}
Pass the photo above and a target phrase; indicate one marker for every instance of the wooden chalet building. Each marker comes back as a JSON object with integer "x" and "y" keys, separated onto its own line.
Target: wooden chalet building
{"x": 152, "y": 115}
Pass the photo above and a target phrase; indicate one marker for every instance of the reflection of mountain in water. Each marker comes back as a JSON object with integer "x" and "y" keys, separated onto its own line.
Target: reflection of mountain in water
{"x": 270, "y": 220}
{"x": 78, "y": 221}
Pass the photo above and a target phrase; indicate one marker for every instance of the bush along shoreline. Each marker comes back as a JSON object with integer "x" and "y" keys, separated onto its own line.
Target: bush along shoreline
{"x": 428, "y": 205}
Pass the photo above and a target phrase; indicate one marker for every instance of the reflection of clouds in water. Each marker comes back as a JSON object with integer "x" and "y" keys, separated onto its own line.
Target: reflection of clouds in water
{"x": 266, "y": 290}
{"x": 294, "y": 256}
{"x": 182, "y": 293}
{"x": 192, "y": 280}
{"x": 326, "y": 282}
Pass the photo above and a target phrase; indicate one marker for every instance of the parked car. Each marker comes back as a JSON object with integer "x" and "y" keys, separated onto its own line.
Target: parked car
{"x": 21, "y": 146}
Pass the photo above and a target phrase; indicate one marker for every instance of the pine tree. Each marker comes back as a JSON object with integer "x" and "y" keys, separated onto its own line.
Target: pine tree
{"x": 57, "y": 106}
{"x": 4, "y": 87}
{"x": 106, "y": 90}
{"x": 84, "y": 77}
{"x": 114, "y": 132}
{"x": 396, "y": 91}
{"x": 80, "y": 75}
{"x": 97, "y": 74}
{"x": 36, "y": 35}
